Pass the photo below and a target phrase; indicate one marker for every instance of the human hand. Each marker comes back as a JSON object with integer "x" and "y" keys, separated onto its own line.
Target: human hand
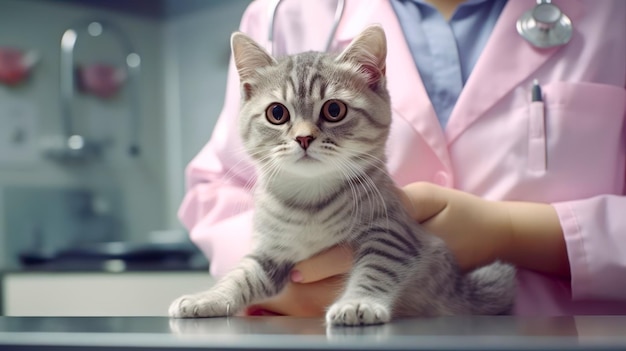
{"x": 475, "y": 230}
{"x": 315, "y": 283}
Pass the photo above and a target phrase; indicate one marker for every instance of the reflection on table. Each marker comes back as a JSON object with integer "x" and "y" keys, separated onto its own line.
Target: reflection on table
{"x": 287, "y": 333}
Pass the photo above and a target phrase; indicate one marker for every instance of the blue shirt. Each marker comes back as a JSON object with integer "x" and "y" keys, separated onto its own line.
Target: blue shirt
{"x": 445, "y": 52}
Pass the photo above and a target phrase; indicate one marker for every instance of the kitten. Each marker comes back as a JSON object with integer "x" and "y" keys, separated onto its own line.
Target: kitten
{"x": 316, "y": 125}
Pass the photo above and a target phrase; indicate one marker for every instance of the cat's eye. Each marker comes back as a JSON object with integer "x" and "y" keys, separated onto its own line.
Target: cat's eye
{"x": 277, "y": 113}
{"x": 334, "y": 110}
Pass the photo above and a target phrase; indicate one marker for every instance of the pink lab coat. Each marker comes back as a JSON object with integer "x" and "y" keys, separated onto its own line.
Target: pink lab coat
{"x": 496, "y": 144}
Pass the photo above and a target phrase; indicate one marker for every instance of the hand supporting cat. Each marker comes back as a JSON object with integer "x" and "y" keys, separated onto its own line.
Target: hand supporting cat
{"x": 476, "y": 230}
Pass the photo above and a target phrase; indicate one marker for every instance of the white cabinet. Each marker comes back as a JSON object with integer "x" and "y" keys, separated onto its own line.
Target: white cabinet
{"x": 97, "y": 294}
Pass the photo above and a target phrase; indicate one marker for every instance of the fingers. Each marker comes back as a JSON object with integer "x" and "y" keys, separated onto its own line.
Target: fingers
{"x": 317, "y": 282}
{"x": 334, "y": 261}
{"x": 424, "y": 200}
{"x": 260, "y": 310}
{"x": 302, "y": 300}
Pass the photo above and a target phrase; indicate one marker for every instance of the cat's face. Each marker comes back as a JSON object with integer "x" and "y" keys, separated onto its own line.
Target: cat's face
{"x": 314, "y": 114}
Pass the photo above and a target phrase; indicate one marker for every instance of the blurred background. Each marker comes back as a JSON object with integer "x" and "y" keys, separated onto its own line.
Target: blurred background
{"x": 102, "y": 104}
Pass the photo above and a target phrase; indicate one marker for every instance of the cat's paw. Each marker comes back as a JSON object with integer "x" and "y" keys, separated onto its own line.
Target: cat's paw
{"x": 204, "y": 304}
{"x": 357, "y": 312}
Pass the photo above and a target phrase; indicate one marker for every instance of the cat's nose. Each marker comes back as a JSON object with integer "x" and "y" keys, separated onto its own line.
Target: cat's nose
{"x": 305, "y": 141}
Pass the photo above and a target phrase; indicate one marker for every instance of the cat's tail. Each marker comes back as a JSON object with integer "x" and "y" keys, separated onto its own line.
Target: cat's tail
{"x": 491, "y": 289}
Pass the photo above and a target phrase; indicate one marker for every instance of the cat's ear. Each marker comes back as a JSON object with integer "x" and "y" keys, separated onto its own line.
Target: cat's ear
{"x": 249, "y": 56}
{"x": 369, "y": 51}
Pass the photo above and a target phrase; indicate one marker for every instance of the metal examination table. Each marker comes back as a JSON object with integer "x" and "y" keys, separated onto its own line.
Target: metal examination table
{"x": 288, "y": 333}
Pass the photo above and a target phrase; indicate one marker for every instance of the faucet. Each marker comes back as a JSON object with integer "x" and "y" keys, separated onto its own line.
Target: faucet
{"x": 72, "y": 145}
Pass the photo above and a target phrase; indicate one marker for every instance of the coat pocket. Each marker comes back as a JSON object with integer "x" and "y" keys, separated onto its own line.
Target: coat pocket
{"x": 584, "y": 135}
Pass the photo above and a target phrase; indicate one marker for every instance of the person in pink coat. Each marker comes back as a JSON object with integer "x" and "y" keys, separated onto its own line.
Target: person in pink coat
{"x": 539, "y": 184}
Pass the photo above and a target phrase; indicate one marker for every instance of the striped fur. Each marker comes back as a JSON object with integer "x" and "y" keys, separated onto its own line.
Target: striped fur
{"x": 337, "y": 192}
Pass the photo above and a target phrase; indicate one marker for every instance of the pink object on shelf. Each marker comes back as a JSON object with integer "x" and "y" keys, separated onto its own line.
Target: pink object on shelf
{"x": 15, "y": 65}
{"x": 100, "y": 79}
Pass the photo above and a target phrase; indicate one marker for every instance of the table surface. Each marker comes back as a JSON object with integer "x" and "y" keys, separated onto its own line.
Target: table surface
{"x": 288, "y": 333}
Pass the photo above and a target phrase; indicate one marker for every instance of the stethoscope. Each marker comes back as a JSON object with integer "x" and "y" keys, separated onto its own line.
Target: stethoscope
{"x": 544, "y": 26}
{"x": 273, "y": 9}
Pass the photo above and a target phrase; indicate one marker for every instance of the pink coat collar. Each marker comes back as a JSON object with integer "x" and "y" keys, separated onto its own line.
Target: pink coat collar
{"x": 493, "y": 77}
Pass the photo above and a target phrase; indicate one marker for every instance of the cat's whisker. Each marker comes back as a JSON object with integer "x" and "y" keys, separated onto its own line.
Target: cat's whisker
{"x": 243, "y": 204}
{"x": 271, "y": 172}
{"x": 356, "y": 173}
{"x": 372, "y": 186}
{"x": 370, "y": 159}
{"x": 267, "y": 155}
{"x": 355, "y": 212}
{"x": 382, "y": 199}
{"x": 357, "y": 178}
{"x": 237, "y": 169}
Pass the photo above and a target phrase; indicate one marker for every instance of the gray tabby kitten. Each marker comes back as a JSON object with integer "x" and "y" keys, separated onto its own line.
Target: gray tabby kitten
{"x": 316, "y": 125}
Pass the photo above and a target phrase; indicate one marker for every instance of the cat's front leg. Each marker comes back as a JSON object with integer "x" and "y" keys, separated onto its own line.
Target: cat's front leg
{"x": 215, "y": 302}
{"x": 379, "y": 275}
{"x": 257, "y": 277}
{"x": 365, "y": 302}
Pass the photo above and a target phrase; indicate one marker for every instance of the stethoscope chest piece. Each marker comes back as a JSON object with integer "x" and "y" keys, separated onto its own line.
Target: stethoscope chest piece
{"x": 545, "y": 26}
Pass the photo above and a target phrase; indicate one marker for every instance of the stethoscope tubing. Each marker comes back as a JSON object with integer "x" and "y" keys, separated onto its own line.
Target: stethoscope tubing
{"x": 273, "y": 11}
{"x": 520, "y": 25}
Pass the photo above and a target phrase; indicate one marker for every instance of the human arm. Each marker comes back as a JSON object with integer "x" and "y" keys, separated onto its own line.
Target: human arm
{"x": 478, "y": 231}
{"x": 535, "y": 236}
{"x": 217, "y": 205}
{"x": 581, "y": 240}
